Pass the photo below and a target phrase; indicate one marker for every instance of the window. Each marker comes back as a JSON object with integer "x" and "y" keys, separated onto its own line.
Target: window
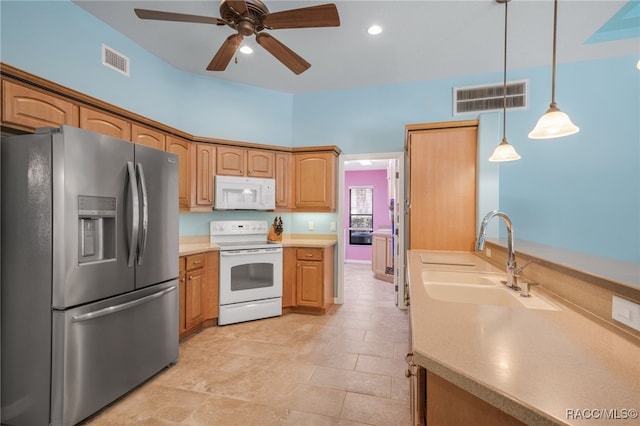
{"x": 360, "y": 215}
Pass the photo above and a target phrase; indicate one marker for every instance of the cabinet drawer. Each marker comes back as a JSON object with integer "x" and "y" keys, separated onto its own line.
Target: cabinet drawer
{"x": 195, "y": 261}
{"x": 309, "y": 254}
{"x": 182, "y": 262}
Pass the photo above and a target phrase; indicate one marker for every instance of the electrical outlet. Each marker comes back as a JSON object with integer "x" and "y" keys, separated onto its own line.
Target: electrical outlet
{"x": 332, "y": 226}
{"x": 626, "y": 312}
{"x": 310, "y": 225}
{"x": 488, "y": 252}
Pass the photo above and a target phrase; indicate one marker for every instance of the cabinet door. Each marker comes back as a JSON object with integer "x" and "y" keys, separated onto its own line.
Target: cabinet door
{"x": 315, "y": 181}
{"x": 309, "y": 284}
{"x": 105, "y": 124}
{"x": 389, "y": 262}
{"x": 29, "y": 109}
{"x": 211, "y": 293}
{"x": 231, "y": 161}
{"x": 183, "y": 303}
{"x": 181, "y": 148}
{"x": 379, "y": 254}
{"x": 146, "y": 136}
{"x": 260, "y": 163}
{"x": 289, "y": 272}
{"x": 193, "y": 290}
{"x": 202, "y": 191}
{"x": 442, "y": 189}
{"x": 284, "y": 182}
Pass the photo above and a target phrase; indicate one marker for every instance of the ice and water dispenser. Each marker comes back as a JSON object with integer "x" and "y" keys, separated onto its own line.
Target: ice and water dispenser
{"x": 96, "y": 228}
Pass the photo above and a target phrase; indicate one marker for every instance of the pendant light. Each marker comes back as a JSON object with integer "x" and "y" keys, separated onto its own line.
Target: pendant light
{"x": 504, "y": 151}
{"x": 554, "y": 123}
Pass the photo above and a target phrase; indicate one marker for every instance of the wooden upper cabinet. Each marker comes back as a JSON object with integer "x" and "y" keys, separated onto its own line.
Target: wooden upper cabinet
{"x": 235, "y": 161}
{"x": 315, "y": 181}
{"x": 284, "y": 181}
{"x": 28, "y": 108}
{"x": 203, "y": 156}
{"x": 260, "y": 163}
{"x": 231, "y": 161}
{"x": 106, "y": 124}
{"x": 182, "y": 148}
{"x": 146, "y": 136}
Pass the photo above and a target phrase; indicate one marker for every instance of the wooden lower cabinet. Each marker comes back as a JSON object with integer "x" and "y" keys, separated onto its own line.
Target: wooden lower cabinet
{"x": 382, "y": 256}
{"x": 198, "y": 291}
{"x": 311, "y": 289}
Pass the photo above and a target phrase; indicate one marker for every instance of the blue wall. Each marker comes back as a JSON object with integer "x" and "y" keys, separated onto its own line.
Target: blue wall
{"x": 581, "y": 192}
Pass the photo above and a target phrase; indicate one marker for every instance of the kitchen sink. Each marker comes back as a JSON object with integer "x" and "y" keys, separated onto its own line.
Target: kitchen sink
{"x": 479, "y": 289}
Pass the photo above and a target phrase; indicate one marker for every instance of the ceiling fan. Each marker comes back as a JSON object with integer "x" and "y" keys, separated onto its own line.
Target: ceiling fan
{"x": 249, "y": 17}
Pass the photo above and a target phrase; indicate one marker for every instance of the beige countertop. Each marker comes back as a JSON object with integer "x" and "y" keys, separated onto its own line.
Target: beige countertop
{"x": 198, "y": 244}
{"x": 542, "y": 367}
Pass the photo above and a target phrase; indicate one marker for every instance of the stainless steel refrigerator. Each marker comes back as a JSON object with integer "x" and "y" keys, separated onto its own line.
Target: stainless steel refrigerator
{"x": 89, "y": 272}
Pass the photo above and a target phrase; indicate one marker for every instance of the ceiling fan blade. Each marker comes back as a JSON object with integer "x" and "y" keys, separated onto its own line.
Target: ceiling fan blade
{"x": 176, "y": 17}
{"x": 282, "y": 53}
{"x": 239, "y": 6}
{"x": 225, "y": 53}
{"x": 325, "y": 15}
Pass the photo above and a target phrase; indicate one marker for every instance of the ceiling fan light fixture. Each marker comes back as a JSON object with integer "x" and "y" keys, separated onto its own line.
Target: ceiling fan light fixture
{"x": 246, "y": 50}
{"x": 374, "y": 29}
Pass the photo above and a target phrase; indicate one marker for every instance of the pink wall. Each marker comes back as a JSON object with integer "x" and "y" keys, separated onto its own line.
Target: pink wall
{"x": 381, "y": 216}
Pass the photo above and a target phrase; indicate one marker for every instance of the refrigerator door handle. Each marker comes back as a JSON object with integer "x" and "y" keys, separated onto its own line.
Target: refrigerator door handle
{"x": 135, "y": 213}
{"x": 118, "y": 308}
{"x": 142, "y": 244}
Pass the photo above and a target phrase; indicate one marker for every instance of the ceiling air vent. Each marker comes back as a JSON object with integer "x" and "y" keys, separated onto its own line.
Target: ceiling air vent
{"x": 115, "y": 60}
{"x": 489, "y": 97}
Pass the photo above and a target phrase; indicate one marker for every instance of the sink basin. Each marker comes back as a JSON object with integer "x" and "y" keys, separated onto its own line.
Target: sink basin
{"x": 479, "y": 289}
{"x": 471, "y": 278}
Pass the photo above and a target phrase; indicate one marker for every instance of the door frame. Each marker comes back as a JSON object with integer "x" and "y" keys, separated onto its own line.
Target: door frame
{"x": 399, "y": 219}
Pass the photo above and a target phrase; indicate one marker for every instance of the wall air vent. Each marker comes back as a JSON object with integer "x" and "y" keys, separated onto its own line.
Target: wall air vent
{"x": 115, "y": 60}
{"x": 489, "y": 97}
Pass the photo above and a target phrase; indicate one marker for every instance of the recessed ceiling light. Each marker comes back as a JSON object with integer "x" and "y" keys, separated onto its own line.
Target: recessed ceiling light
{"x": 374, "y": 29}
{"x": 365, "y": 163}
{"x": 246, "y": 50}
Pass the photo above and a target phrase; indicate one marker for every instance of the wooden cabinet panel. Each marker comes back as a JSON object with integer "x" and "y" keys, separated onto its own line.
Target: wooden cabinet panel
{"x": 182, "y": 280}
{"x": 193, "y": 297}
{"x": 289, "y": 271}
{"x": 382, "y": 256}
{"x": 231, "y": 161}
{"x": 315, "y": 181}
{"x": 106, "y": 124}
{"x": 203, "y": 156}
{"x": 309, "y": 282}
{"x": 315, "y": 254}
{"x": 182, "y": 148}
{"x": 29, "y": 109}
{"x": 442, "y": 188}
{"x": 284, "y": 181}
{"x": 146, "y": 136}
{"x": 260, "y": 163}
{"x": 211, "y": 292}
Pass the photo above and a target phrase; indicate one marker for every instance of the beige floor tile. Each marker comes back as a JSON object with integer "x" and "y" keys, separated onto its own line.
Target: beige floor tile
{"x": 353, "y": 381}
{"x": 314, "y": 400}
{"x": 375, "y": 411}
{"x": 387, "y": 366}
{"x": 400, "y": 388}
{"x": 300, "y": 418}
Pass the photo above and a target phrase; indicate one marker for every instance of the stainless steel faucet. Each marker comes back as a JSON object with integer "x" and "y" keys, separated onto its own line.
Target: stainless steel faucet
{"x": 512, "y": 270}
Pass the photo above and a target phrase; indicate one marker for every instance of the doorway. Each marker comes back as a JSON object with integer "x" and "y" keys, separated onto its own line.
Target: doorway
{"x": 394, "y": 163}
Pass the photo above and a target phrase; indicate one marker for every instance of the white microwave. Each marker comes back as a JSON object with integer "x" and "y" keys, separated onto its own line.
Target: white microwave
{"x": 244, "y": 193}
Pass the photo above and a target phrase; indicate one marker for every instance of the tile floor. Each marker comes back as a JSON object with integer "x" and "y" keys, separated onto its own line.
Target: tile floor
{"x": 344, "y": 368}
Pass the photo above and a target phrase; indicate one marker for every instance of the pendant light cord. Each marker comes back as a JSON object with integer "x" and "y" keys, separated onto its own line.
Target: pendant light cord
{"x": 553, "y": 62}
{"x": 504, "y": 86}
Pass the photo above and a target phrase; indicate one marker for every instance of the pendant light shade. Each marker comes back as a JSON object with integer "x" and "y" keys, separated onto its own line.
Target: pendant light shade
{"x": 504, "y": 151}
{"x": 554, "y": 123}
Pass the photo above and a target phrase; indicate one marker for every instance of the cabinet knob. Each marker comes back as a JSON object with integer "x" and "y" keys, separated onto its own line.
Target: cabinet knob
{"x": 308, "y": 255}
{"x": 190, "y": 277}
{"x": 195, "y": 262}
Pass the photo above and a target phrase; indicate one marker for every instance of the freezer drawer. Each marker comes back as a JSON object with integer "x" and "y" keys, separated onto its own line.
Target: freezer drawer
{"x": 103, "y": 350}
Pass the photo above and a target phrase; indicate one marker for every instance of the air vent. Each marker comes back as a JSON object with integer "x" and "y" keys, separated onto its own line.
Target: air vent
{"x": 489, "y": 97}
{"x": 115, "y": 60}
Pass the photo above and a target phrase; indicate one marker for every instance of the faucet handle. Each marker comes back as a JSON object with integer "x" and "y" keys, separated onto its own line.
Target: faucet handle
{"x": 525, "y": 289}
{"x": 517, "y": 271}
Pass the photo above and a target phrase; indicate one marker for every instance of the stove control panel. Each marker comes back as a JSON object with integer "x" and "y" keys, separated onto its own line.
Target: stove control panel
{"x": 238, "y": 227}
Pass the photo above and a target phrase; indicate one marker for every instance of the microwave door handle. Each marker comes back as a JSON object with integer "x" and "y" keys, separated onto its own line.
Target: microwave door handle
{"x": 135, "y": 213}
{"x": 142, "y": 244}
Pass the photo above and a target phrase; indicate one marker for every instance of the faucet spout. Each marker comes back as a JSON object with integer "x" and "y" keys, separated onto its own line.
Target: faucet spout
{"x": 512, "y": 280}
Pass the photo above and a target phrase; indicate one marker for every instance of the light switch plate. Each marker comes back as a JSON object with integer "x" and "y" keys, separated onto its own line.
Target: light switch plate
{"x": 626, "y": 312}
{"x": 332, "y": 226}
{"x": 310, "y": 225}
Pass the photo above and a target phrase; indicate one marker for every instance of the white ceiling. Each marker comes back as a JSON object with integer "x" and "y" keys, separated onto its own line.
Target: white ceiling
{"x": 422, "y": 40}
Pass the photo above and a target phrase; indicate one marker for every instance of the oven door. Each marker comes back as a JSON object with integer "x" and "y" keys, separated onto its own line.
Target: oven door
{"x": 250, "y": 274}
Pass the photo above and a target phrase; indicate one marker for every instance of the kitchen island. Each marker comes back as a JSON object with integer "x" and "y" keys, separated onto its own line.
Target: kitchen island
{"x": 536, "y": 366}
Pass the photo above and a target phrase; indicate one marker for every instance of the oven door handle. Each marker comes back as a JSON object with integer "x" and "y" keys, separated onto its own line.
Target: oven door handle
{"x": 250, "y": 251}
